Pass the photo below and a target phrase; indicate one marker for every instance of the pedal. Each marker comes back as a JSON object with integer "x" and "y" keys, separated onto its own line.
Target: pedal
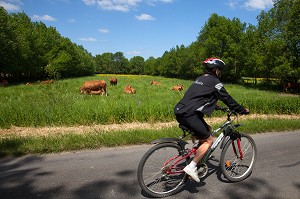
{"x": 203, "y": 170}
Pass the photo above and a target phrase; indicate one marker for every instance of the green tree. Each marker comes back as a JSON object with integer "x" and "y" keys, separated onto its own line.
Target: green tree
{"x": 25, "y": 63}
{"x": 151, "y": 66}
{"x": 221, "y": 37}
{"x": 286, "y": 16}
{"x": 120, "y": 63}
{"x": 107, "y": 62}
{"x": 167, "y": 67}
{"x": 8, "y": 44}
{"x": 31, "y": 51}
{"x": 136, "y": 65}
{"x": 253, "y": 58}
{"x": 99, "y": 66}
{"x": 70, "y": 60}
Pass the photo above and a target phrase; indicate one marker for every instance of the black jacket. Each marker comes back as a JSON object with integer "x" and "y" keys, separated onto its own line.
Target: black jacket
{"x": 202, "y": 96}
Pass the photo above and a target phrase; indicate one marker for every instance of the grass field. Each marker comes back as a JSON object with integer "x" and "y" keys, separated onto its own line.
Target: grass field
{"x": 61, "y": 105}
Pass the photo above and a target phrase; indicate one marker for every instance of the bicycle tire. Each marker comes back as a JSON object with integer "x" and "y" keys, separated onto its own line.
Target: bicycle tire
{"x": 152, "y": 176}
{"x": 233, "y": 168}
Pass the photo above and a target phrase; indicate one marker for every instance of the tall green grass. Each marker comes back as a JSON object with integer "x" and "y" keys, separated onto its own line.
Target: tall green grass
{"x": 61, "y": 103}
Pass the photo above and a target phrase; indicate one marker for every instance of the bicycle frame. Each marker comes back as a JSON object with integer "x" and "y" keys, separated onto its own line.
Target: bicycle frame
{"x": 225, "y": 128}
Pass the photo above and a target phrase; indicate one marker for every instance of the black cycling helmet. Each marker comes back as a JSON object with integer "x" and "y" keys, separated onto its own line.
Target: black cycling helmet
{"x": 213, "y": 63}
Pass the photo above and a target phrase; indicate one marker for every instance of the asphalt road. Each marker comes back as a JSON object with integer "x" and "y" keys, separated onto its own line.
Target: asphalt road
{"x": 111, "y": 173}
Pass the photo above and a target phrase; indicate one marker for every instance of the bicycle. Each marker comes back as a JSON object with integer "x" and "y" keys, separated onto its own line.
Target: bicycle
{"x": 160, "y": 171}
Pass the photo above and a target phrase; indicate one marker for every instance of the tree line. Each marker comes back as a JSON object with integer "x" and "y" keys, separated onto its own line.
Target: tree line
{"x": 32, "y": 51}
{"x": 271, "y": 49}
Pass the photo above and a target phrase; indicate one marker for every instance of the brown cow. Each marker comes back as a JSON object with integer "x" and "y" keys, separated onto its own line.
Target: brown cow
{"x": 93, "y": 85}
{"x": 129, "y": 89}
{"x": 47, "y": 81}
{"x": 113, "y": 81}
{"x": 179, "y": 87}
{"x": 155, "y": 82}
{"x": 291, "y": 86}
{"x": 99, "y": 92}
{"x": 4, "y": 83}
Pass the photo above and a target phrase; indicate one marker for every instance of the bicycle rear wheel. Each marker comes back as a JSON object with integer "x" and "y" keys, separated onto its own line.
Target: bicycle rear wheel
{"x": 234, "y": 166}
{"x": 155, "y": 174}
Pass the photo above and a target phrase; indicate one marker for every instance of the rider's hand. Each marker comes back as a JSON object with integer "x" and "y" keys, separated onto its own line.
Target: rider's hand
{"x": 218, "y": 107}
{"x": 246, "y": 111}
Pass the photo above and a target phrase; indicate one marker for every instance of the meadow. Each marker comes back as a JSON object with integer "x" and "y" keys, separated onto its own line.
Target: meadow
{"x": 60, "y": 104}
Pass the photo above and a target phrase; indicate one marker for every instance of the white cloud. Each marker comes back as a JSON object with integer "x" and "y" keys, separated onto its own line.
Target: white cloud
{"x": 133, "y": 53}
{"x": 42, "y": 18}
{"x": 103, "y": 30}
{"x": 251, "y": 4}
{"x": 232, "y": 3}
{"x": 90, "y": 39}
{"x": 167, "y": 1}
{"x": 13, "y": 5}
{"x": 66, "y": 1}
{"x": 71, "y": 20}
{"x": 118, "y": 5}
{"x": 258, "y": 4}
{"x": 89, "y": 2}
{"x": 145, "y": 17}
{"x": 122, "y": 5}
{"x": 154, "y": 2}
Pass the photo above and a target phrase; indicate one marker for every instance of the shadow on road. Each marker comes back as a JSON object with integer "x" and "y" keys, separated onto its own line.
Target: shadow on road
{"x": 20, "y": 183}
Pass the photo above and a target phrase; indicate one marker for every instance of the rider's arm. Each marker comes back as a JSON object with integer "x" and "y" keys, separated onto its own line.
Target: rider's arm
{"x": 228, "y": 100}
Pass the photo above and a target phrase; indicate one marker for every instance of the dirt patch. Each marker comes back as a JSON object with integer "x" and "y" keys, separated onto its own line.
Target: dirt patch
{"x": 44, "y": 131}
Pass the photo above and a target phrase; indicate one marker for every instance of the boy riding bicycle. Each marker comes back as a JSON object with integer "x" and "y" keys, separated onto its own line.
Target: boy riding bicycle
{"x": 200, "y": 99}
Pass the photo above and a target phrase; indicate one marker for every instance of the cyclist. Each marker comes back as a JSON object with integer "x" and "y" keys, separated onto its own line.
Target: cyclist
{"x": 200, "y": 99}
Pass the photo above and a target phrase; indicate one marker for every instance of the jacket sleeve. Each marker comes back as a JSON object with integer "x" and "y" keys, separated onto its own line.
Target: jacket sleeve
{"x": 227, "y": 99}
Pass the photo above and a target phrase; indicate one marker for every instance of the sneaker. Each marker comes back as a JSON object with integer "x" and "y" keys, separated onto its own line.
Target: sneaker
{"x": 192, "y": 172}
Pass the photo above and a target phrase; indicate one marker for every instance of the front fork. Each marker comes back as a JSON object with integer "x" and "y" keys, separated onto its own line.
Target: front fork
{"x": 239, "y": 148}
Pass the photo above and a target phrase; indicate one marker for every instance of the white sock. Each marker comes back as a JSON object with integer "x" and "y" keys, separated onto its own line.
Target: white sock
{"x": 193, "y": 165}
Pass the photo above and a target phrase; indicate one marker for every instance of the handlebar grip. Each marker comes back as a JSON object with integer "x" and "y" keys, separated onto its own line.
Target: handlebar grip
{"x": 245, "y": 112}
{"x": 218, "y": 108}
{"x": 225, "y": 109}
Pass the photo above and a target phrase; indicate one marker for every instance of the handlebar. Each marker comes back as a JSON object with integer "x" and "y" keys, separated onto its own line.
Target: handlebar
{"x": 229, "y": 112}
{"x": 224, "y": 109}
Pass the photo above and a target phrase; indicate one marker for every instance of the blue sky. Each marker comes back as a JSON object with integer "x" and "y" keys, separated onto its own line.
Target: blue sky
{"x": 135, "y": 27}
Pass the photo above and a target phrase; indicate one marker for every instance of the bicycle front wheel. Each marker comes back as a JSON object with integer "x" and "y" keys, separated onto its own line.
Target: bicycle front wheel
{"x": 237, "y": 159}
{"x": 160, "y": 171}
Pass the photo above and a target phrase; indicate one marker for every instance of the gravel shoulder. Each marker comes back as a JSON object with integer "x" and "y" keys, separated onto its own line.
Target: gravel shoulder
{"x": 44, "y": 131}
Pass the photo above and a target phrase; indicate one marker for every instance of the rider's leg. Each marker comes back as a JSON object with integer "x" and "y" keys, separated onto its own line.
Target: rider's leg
{"x": 191, "y": 169}
{"x": 202, "y": 130}
{"x": 205, "y": 145}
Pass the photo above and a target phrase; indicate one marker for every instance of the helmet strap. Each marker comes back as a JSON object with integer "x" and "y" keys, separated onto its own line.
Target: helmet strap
{"x": 218, "y": 73}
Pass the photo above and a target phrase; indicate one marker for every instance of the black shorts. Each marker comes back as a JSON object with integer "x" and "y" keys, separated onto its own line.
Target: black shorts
{"x": 195, "y": 123}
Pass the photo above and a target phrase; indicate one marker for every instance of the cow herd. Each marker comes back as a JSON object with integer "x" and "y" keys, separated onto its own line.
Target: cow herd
{"x": 98, "y": 87}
